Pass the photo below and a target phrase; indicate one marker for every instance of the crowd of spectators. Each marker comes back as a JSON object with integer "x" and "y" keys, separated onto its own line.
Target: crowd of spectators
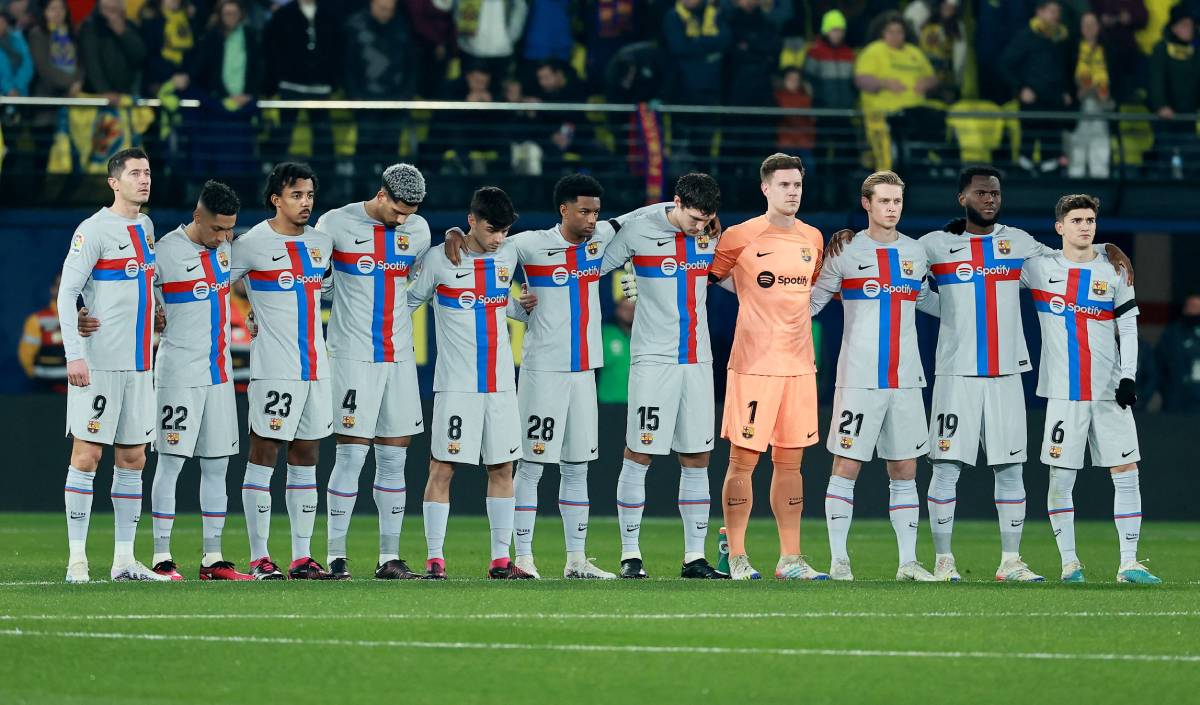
{"x": 880, "y": 56}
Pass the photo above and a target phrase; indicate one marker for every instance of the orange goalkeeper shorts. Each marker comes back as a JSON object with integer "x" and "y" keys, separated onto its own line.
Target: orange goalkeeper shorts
{"x": 761, "y": 410}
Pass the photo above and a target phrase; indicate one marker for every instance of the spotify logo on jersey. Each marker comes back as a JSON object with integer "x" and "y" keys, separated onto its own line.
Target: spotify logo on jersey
{"x": 1058, "y": 304}
{"x": 560, "y": 275}
{"x": 200, "y": 290}
{"x": 466, "y": 299}
{"x": 366, "y": 264}
{"x": 964, "y": 271}
{"x": 286, "y": 280}
{"x": 669, "y": 267}
{"x": 766, "y": 279}
{"x": 871, "y": 288}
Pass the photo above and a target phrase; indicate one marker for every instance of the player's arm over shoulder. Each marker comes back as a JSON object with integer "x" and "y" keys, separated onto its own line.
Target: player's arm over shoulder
{"x": 729, "y": 248}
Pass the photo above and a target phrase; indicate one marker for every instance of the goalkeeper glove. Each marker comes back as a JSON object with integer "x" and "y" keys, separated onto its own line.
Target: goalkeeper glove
{"x": 629, "y": 283}
{"x": 1126, "y": 393}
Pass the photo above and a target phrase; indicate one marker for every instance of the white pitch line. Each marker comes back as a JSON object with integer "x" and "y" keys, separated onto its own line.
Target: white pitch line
{"x": 608, "y": 648}
{"x": 565, "y": 616}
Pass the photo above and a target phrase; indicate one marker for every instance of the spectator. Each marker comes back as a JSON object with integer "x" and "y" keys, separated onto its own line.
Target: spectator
{"x": 612, "y": 386}
{"x": 996, "y": 24}
{"x": 1037, "y": 66}
{"x": 561, "y": 132}
{"x": 1120, "y": 21}
{"x": 380, "y": 65}
{"x": 1175, "y": 88}
{"x": 943, "y": 41}
{"x": 16, "y": 64}
{"x": 41, "y": 348}
{"x": 1179, "y": 359}
{"x": 753, "y": 57}
{"x": 635, "y": 74}
{"x": 226, "y": 74}
{"x": 1090, "y": 148}
{"x": 611, "y": 26}
{"x": 433, "y": 36}
{"x": 302, "y": 44}
{"x": 488, "y": 32}
{"x": 697, "y": 36}
{"x": 548, "y": 32}
{"x": 893, "y": 75}
{"x": 167, "y": 32}
{"x": 829, "y": 70}
{"x": 55, "y": 54}
{"x": 225, "y": 64}
{"x": 112, "y": 50}
{"x": 21, "y": 14}
{"x": 465, "y": 146}
{"x": 797, "y": 134}
{"x": 750, "y": 69}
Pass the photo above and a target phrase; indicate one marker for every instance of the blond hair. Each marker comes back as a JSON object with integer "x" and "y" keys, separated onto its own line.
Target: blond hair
{"x": 880, "y": 178}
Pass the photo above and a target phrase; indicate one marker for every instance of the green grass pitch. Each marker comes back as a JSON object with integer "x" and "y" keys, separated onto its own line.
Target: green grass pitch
{"x": 469, "y": 640}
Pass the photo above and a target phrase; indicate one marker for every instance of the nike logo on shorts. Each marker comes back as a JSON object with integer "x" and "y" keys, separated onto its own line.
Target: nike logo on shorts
{"x": 921, "y": 444}
{"x": 593, "y": 450}
{"x": 1128, "y": 453}
{"x": 1013, "y": 452}
{"x": 710, "y": 440}
{"x": 514, "y": 450}
{"x": 812, "y": 434}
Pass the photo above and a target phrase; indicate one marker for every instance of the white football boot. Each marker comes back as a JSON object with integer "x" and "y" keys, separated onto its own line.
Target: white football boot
{"x": 945, "y": 570}
{"x": 796, "y": 568}
{"x": 525, "y": 563}
{"x": 586, "y": 569}
{"x": 137, "y": 571}
{"x": 840, "y": 570}
{"x": 1014, "y": 570}
{"x": 913, "y": 571}
{"x": 77, "y": 572}
{"x": 740, "y": 568}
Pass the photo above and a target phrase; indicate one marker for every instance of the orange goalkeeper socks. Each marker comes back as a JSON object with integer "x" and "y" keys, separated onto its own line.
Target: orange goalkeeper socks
{"x": 787, "y": 497}
{"x": 737, "y": 497}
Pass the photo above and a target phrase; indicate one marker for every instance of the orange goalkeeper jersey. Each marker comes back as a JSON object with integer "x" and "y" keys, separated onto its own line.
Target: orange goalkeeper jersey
{"x": 773, "y": 270}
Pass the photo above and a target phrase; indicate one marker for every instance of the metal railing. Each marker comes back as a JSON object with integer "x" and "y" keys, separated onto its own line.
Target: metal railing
{"x": 636, "y": 149}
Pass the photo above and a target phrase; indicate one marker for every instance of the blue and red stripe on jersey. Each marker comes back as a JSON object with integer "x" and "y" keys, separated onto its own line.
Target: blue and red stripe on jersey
{"x": 1076, "y": 308}
{"x": 386, "y": 268}
{"x": 306, "y": 284}
{"x": 984, "y": 271}
{"x": 139, "y": 267}
{"x": 484, "y": 298}
{"x": 891, "y": 288}
{"x": 216, "y": 292}
{"x": 686, "y": 265}
{"x": 581, "y": 273}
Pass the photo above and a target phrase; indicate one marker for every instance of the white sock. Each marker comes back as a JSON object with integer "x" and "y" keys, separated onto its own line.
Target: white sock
{"x": 1127, "y": 513}
{"x": 436, "y": 515}
{"x": 300, "y": 495}
{"x": 256, "y": 504}
{"x": 214, "y": 502}
{"x": 573, "y": 505}
{"x": 839, "y": 513}
{"x": 162, "y": 503}
{"x": 525, "y": 491}
{"x": 694, "y": 508}
{"x": 127, "y": 512}
{"x": 942, "y": 500}
{"x": 631, "y": 502}
{"x": 904, "y": 509}
{"x": 1010, "y": 508}
{"x": 390, "y": 498}
{"x": 1060, "y": 505}
{"x": 77, "y": 496}
{"x": 500, "y": 512}
{"x": 340, "y": 494}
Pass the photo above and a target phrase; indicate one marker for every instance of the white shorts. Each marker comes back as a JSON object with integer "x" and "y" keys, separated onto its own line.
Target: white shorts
{"x": 972, "y": 411}
{"x": 891, "y": 421}
{"x": 376, "y": 399}
{"x": 290, "y": 409}
{"x": 470, "y": 426}
{"x": 671, "y": 408}
{"x": 197, "y": 421}
{"x": 117, "y": 407}
{"x": 1106, "y": 428}
{"x": 559, "y": 412}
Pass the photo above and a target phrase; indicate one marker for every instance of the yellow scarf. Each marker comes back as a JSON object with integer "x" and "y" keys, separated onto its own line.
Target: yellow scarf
{"x": 1057, "y": 35}
{"x": 1091, "y": 70}
{"x": 693, "y": 27}
{"x": 177, "y": 36}
{"x": 1179, "y": 52}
